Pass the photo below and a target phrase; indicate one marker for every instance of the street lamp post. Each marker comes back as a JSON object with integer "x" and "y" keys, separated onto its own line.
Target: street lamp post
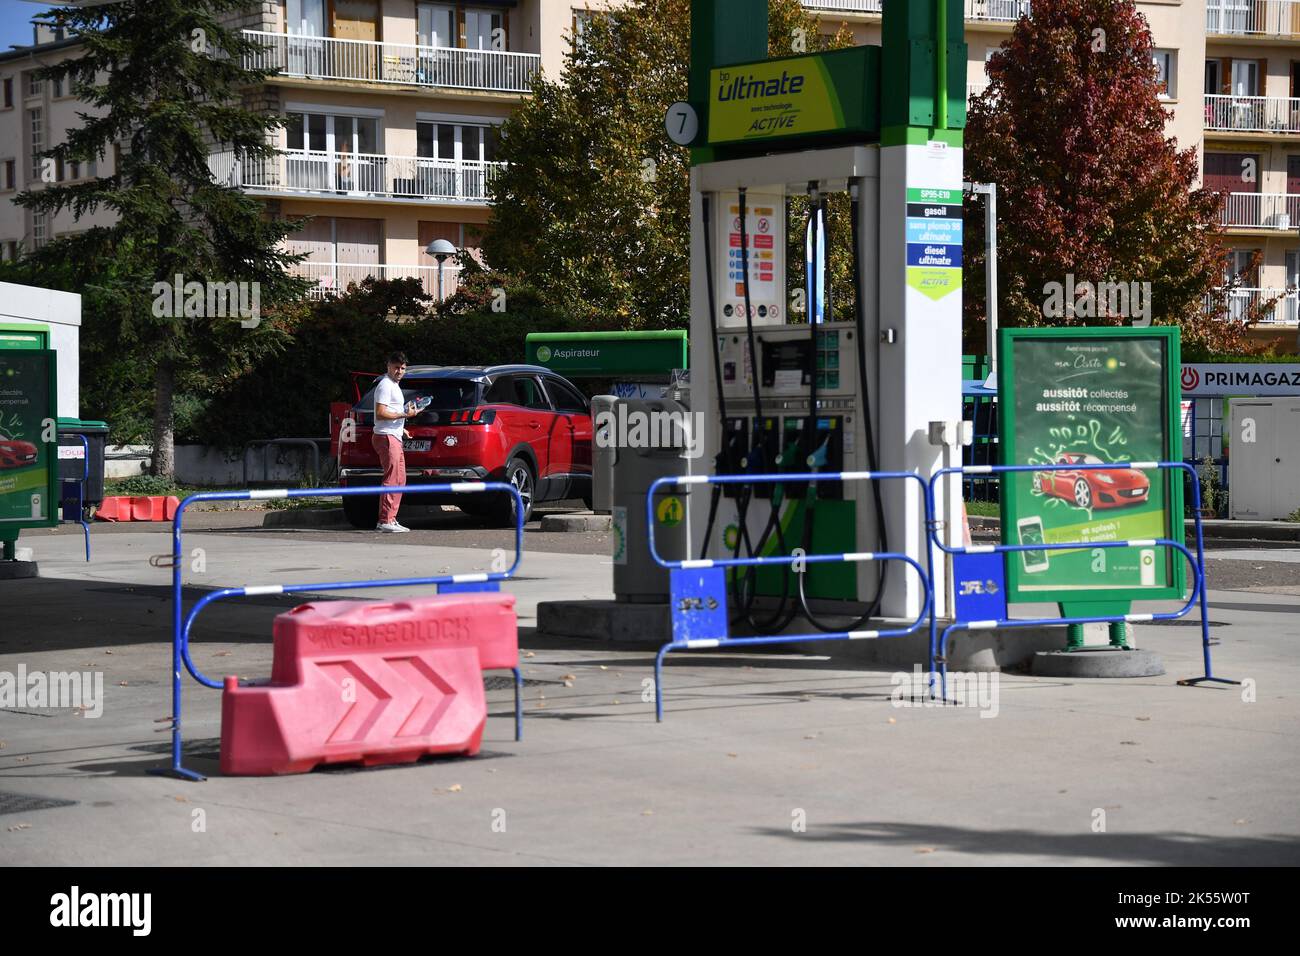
{"x": 442, "y": 250}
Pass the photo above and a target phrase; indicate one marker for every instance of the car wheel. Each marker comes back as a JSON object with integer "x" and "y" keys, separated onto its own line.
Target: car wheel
{"x": 362, "y": 511}
{"x": 520, "y": 474}
{"x": 1082, "y": 494}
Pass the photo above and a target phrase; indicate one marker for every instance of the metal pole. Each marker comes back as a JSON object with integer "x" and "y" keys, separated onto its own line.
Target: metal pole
{"x": 990, "y": 193}
{"x": 991, "y": 280}
{"x": 941, "y": 64}
{"x": 440, "y": 282}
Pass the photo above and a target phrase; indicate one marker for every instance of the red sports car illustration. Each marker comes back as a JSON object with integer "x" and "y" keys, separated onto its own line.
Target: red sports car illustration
{"x": 1091, "y": 488}
{"x": 15, "y": 453}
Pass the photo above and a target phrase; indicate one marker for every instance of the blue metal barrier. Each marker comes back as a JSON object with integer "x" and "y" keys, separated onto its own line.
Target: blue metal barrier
{"x": 181, "y": 625}
{"x": 706, "y": 600}
{"x": 81, "y": 494}
{"x": 1197, "y": 562}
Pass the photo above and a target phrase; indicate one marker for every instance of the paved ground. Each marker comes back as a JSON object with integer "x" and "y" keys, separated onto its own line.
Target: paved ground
{"x": 754, "y": 745}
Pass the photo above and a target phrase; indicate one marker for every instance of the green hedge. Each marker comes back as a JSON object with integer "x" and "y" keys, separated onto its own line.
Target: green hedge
{"x": 289, "y": 395}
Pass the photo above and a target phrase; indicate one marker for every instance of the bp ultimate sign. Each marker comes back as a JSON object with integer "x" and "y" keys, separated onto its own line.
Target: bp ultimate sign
{"x": 829, "y": 94}
{"x": 1091, "y": 396}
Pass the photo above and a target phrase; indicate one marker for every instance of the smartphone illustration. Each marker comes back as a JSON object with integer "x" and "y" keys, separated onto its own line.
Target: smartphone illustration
{"x": 1031, "y": 532}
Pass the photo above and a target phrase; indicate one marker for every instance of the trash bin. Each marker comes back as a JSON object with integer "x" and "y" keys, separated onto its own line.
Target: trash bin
{"x": 78, "y": 460}
{"x": 637, "y": 578}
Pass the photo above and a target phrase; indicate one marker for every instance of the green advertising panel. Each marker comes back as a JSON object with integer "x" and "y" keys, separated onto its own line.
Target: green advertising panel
{"x": 608, "y": 354}
{"x": 28, "y": 442}
{"x": 1091, "y": 396}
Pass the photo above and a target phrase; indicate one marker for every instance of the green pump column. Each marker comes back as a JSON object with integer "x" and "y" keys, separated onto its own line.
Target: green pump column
{"x": 923, "y": 113}
{"x": 722, "y": 32}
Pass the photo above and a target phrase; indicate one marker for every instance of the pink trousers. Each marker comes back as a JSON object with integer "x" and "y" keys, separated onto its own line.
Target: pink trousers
{"x": 393, "y": 460}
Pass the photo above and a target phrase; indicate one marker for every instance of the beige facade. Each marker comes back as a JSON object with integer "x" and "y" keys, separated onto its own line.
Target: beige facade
{"x": 394, "y": 104}
{"x": 392, "y": 110}
{"x": 34, "y": 116}
{"x": 1233, "y": 87}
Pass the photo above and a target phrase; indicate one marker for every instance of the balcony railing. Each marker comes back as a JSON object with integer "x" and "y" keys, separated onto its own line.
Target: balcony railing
{"x": 335, "y": 277}
{"x": 1000, "y": 11}
{"x": 1252, "y": 114}
{"x": 1280, "y": 211}
{"x": 1003, "y": 11}
{"x": 1278, "y": 18}
{"x": 845, "y": 6}
{"x": 1238, "y": 304}
{"x": 357, "y": 175}
{"x": 328, "y": 58}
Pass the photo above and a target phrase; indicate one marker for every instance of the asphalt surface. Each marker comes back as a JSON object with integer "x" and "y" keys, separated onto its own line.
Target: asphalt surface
{"x": 763, "y": 758}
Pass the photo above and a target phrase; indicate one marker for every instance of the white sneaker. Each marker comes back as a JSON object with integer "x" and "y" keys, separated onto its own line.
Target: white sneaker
{"x": 391, "y": 528}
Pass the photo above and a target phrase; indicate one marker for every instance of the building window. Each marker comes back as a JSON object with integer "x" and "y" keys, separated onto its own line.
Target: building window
{"x": 436, "y": 25}
{"x": 484, "y": 30}
{"x": 33, "y": 83}
{"x": 11, "y": 174}
{"x": 40, "y": 229}
{"x": 36, "y": 129}
{"x": 9, "y": 92}
{"x": 1166, "y": 72}
{"x": 581, "y": 19}
{"x": 454, "y": 155}
{"x": 305, "y": 17}
{"x": 57, "y": 84}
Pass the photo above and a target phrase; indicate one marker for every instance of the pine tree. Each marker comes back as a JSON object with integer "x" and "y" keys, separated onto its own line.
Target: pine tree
{"x": 163, "y": 81}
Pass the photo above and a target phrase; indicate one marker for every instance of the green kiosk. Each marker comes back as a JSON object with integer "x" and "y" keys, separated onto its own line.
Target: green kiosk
{"x": 28, "y": 440}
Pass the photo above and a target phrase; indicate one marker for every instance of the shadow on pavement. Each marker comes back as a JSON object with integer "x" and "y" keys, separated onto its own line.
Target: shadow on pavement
{"x": 1175, "y": 848}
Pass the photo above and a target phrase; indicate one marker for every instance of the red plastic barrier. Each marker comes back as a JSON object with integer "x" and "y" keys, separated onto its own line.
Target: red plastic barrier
{"x": 141, "y": 508}
{"x": 370, "y": 682}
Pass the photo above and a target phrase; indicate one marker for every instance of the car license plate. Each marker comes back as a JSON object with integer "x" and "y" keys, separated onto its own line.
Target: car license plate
{"x": 416, "y": 444}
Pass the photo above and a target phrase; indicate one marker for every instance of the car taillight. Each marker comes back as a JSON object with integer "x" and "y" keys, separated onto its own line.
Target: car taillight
{"x": 473, "y": 416}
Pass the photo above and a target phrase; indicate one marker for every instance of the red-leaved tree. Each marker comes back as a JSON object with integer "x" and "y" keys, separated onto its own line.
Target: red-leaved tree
{"x": 1073, "y": 132}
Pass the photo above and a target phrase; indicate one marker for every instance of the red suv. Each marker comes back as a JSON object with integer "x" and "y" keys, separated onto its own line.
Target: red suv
{"x": 518, "y": 423}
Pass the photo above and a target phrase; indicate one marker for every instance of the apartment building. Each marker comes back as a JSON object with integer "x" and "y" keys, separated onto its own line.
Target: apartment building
{"x": 1252, "y": 143}
{"x": 392, "y": 108}
{"x": 1231, "y": 74}
{"x": 35, "y": 115}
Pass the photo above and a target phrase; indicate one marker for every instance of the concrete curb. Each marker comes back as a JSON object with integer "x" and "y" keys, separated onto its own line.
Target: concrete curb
{"x": 1097, "y": 662}
{"x": 305, "y": 518}
{"x": 649, "y": 625}
{"x": 617, "y": 622}
{"x": 576, "y": 522}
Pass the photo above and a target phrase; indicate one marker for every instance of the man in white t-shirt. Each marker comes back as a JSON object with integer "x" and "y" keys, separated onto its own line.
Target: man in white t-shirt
{"x": 391, "y": 412}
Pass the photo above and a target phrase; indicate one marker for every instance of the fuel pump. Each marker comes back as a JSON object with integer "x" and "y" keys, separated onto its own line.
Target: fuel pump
{"x": 789, "y": 398}
{"x": 800, "y": 386}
